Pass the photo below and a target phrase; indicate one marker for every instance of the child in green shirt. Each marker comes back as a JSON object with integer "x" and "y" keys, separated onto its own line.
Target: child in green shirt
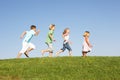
{"x": 49, "y": 41}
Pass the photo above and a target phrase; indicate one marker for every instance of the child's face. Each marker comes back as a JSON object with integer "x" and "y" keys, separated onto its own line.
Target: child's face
{"x": 68, "y": 32}
{"x": 88, "y": 35}
{"x": 34, "y": 29}
{"x": 53, "y": 28}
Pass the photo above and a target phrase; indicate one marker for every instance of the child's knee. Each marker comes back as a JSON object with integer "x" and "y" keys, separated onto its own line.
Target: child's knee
{"x": 51, "y": 51}
{"x": 22, "y": 51}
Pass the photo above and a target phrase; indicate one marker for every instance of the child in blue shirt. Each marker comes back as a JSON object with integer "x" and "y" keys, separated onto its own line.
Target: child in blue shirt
{"x": 27, "y": 46}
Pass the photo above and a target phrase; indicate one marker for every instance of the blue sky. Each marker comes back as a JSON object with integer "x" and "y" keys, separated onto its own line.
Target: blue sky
{"x": 100, "y": 17}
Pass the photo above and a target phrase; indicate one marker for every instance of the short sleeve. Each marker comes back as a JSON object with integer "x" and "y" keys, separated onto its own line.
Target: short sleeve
{"x": 26, "y": 31}
{"x": 33, "y": 32}
{"x": 51, "y": 32}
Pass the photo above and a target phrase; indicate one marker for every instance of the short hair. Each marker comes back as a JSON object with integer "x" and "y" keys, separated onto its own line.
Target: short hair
{"x": 87, "y": 33}
{"x": 51, "y": 26}
{"x": 32, "y": 27}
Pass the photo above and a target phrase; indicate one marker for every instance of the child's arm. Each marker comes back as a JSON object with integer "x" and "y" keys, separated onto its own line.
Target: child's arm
{"x": 70, "y": 42}
{"x": 51, "y": 36}
{"x": 23, "y": 34}
{"x": 87, "y": 41}
{"x": 63, "y": 36}
{"x": 37, "y": 32}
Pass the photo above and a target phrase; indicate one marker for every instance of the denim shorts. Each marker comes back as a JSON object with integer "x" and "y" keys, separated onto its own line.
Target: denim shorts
{"x": 66, "y": 46}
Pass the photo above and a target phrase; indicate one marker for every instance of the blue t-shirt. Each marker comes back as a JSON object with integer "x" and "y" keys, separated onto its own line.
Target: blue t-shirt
{"x": 29, "y": 35}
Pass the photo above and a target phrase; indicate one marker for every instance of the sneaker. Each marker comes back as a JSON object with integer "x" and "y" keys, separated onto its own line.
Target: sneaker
{"x": 26, "y": 55}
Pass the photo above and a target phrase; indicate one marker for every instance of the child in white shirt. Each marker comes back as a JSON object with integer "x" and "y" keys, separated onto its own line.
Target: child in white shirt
{"x": 66, "y": 42}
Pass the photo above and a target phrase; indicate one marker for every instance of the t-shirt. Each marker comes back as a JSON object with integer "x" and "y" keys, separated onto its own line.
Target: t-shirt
{"x": 66, "y": 39}
{"x": 49, "y": 40}
{"x": 29, "y": 35}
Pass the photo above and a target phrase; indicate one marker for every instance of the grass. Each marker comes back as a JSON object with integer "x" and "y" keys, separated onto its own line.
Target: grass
{"x": 61, "y": 68}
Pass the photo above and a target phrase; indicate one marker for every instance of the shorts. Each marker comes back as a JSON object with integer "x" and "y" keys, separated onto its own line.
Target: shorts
{"x": 66, "y": 46}
{"x": 25, "y": 46}
{"x": 50, "y": 47}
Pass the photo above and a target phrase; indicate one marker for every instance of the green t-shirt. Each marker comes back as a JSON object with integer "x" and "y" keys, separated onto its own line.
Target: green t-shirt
{"x": 49, "y": 40}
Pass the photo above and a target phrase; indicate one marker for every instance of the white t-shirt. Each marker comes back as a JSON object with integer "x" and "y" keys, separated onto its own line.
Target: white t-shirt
{"x": 66, "y": 39}
{"x": 29, "y": 35}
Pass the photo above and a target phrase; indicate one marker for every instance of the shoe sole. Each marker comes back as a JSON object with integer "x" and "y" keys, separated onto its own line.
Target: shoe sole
{"x": 26, "y": 55}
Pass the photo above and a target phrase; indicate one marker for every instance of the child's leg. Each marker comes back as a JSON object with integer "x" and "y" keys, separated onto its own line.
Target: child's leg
{"x": 84, "y": 54}
{"x": 70, "y": 53}
{"x": 28, "y": 50}
{"x": 46, "y": 50}
{"x": 50, "y": 54}
{"x": 60, "y": 51}
{"x": 19, "y": 54}
{"x": 69, "y": 49}
{"x": 43, "y": 51}
{"x": 50, "y": 50}
{"x": 31, "y": 47}
{"x": 24, "y": 48}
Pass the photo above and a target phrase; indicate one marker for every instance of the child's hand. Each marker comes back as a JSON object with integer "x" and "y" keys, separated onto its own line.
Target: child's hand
{"x": 54, "y": 40}
{"x": 38, "y": 31}
{"x": 70, "y": 42}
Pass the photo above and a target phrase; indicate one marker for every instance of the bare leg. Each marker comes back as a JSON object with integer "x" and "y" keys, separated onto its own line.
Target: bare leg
{"x": 70, "y": 53}
{"x": 60, "y": 51}
{"x": 84, "y": 54}
{"x": 43, "y": 51}
{"x": 19, "y": 54}
{"x": 50, "y": 54}
{"x": 27, "y": 51}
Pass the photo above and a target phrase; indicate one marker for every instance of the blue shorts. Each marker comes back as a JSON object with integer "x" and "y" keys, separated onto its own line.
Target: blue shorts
{"x": 66, "y": 46}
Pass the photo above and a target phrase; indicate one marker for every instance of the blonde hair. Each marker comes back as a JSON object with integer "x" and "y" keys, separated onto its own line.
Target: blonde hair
{"x": 65, "y": 30}
{"x": 51, "y": 26}
{"x": 86, "y": 34}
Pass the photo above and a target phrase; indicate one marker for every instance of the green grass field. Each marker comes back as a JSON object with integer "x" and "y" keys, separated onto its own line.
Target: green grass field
{"x": 61, "y": 68}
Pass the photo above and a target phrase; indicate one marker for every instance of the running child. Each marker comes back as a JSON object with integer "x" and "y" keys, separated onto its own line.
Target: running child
{"x": 27, "y": 46}
{"x": 86, "y": 44}
{"x": 66, "y": 42}
{"x": 49, "y": 41}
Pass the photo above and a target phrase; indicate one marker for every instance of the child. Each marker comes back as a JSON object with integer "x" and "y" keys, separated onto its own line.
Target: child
{"x": 26, "y": 45}
{"x": 86, "y": 44}
{"x": 49, "y": 41}
{"x": 66, "y": 42}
